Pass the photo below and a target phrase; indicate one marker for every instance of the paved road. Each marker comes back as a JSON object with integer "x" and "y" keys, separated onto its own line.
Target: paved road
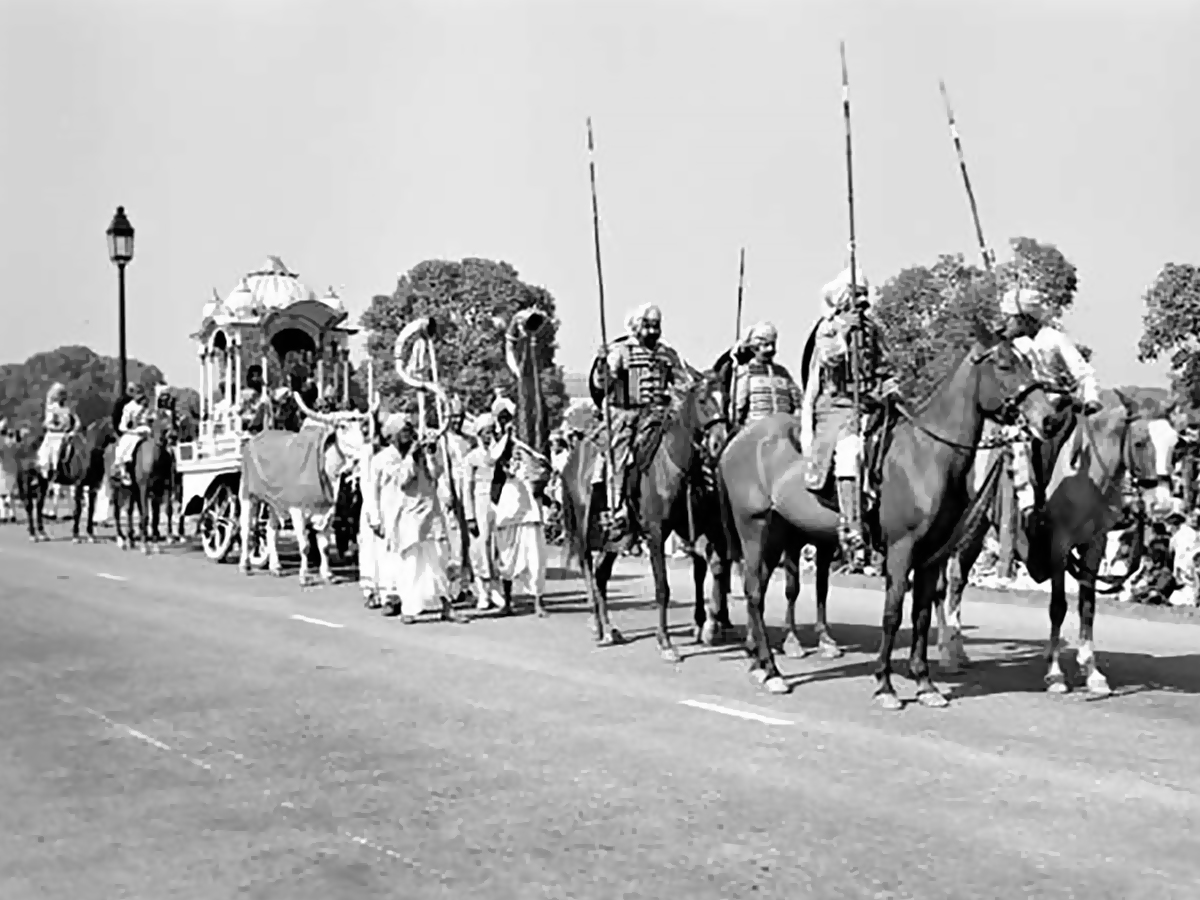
{"x": 173, "y": 729}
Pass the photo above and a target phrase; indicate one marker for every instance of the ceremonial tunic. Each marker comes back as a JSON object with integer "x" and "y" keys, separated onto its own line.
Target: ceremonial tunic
{"x": 136, "y": 421}
{"x": 58, "y": 423}
{"x": 402, "y": 499}
{"x": 761, "y": 389}
{"x": 520, "y": 535}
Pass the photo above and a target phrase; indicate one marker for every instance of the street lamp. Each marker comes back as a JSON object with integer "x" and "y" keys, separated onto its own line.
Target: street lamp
{"x": 120, "y": 251}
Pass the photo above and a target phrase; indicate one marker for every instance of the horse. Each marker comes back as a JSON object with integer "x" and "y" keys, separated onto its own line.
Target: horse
{"x": 663, "y": 457}
{"x": 299, "y": 473}
{"x": 1085, "y": 465}
{"x": 80, "y": 467}
{"x": 151, "y": 486}
{"x": 927, "y": 454}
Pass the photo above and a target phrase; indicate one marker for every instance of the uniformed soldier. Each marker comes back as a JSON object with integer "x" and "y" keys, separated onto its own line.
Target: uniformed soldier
{"x": 762, "y": 386}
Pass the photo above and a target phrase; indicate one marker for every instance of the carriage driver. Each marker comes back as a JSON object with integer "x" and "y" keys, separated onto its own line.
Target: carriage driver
{"x": 648, "y": 368}
{"x": 58, "y": 422}
{"x": 136, "y": 420}
{"x": 1052, "y": 355}
{"x": 762, "y": 387}
{"x": 828, "y": 412}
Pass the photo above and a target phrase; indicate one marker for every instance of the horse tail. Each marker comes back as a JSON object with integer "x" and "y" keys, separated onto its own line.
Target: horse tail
{"x": 733, "y": 544}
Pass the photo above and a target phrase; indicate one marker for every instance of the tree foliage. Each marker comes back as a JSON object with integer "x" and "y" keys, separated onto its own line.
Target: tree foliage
{"x": 92, "y": 382}
{"x": 472, "y": 301}
{"x": 1171, "y": 326}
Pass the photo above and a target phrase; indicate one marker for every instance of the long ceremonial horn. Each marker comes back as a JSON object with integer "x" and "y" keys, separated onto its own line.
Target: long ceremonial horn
{"x": 421, "y": 332}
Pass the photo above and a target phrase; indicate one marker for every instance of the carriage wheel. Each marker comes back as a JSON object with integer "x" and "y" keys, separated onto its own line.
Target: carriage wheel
{"x": 259, "y": 557}
{"x": 218, "y": 525}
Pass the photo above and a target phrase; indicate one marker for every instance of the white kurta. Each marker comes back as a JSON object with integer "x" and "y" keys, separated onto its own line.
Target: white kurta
{"x": 411, "y": 562}
{"x": 520, "y": 534}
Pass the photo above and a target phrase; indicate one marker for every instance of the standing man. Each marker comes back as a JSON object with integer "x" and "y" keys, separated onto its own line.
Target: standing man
{"x": 402, "y": 510}
{"x": 479, "y": 468}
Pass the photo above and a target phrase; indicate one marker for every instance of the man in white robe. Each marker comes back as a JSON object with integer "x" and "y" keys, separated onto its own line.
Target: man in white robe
{"x": 403, "y": 512}
{"x": 478, "y": 468}
{"x": 520, "y": 533}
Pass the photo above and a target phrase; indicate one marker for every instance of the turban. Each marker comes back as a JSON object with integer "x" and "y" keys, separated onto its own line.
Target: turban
{"x": 135, "y": 390}
{"x": 483, "y": 422}
{"x": 635, "y": 318}
{"x": 455, "y": 406}
{"x": 1024, "y": 301}
{"x": 503, "y": 405}
{"x": 394, "y": 424}
{"x": 763, "y": 333}
{"x": 835, "y": 296}
{"x": 56, "y": 389}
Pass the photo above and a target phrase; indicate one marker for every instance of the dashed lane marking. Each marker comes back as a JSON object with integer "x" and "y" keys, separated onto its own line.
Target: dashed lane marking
{"x": 111, "y": 577}
{"x": 300, "y": 618}
{"x": 739, "y": 713}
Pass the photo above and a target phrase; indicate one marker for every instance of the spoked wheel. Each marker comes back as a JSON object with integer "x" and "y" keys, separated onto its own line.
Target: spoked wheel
{"x": 218, "y": 526}
{"x": 259, "y": 554}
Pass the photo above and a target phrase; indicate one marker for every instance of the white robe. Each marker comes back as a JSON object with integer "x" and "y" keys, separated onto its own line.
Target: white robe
{"x": 411, "y": 562}
{"x": 520, "y": 533}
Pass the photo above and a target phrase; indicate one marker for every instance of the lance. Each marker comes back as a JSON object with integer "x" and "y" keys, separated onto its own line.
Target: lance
{"x": 737, "y": 334}
{"x": 988, "y": 256}
{"x": 612, "y": 500}
{"x": 856, "y": 346}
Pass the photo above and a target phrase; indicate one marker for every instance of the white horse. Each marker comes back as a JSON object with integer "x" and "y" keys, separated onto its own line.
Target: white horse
{"x": 340, "y": 456}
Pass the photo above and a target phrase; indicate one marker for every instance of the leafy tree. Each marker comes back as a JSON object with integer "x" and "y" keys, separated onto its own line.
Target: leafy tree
{"x": 472, "y": 301}
{"x": 1042, "y": 267}
{"x": 1171, "y": 326}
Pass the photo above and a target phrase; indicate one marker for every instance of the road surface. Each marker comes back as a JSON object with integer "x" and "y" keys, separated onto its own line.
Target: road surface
{"x": 174, "y": 729}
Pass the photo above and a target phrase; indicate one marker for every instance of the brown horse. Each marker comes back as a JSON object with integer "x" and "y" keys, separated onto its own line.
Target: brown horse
{"x": 80, "y": 467}
{"x": 927, "y": 456}
{"x": 697, "y": 426}
{"x": 1086, "y": 464}
{"x": 152, "y": 485}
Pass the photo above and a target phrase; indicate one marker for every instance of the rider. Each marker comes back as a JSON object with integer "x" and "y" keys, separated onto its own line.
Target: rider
{"x": 136, "y": 420}
{"x": 643, "y": 370}
{"x": 1029, "y": 322}
{"x": 254, "y": 406}
{"x": 59, "y": 421}
{"x": 762, "y": 387}
{"x": 829, "y": 410}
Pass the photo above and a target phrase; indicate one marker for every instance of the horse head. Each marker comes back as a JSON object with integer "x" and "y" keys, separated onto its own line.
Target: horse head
{"x": 1009, "y": 390}
{"x": 702, "y": 414}
{"x": 1124, "y": 444}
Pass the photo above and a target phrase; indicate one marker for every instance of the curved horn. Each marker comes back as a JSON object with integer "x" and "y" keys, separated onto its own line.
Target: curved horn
{"x": 331, "y": 419}
{"x": 525, "y": 324}
{"x": 424, "y": 328}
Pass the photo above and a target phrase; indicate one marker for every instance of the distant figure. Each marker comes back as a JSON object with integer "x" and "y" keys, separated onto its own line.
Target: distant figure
{"x": 58, "y": 422}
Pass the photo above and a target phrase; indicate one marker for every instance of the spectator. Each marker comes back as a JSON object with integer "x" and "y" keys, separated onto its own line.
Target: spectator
{"x": 1185, "y": 545}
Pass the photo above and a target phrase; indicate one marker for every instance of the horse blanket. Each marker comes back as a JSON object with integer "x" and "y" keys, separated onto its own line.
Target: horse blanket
{"x": 286, "y": 469}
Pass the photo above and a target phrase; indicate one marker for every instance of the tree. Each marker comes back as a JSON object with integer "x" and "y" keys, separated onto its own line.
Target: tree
{"x": 472, "y": 301}
{"x": 92, "y": 383}
{"x": 1171, "y": 326}
{"x": 1043, "y": 268}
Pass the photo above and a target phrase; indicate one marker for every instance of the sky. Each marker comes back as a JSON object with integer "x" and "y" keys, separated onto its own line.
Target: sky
{"x": 355, "y": 139}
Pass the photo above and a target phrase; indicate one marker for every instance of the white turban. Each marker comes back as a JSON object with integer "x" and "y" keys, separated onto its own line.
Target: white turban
{"x": 503, "y": 405}
{"x": 635, "y": 317}
{"x": 1024, "y": 301}
{"x": 482, "y": 423}
{"x": 835, "y": 296}
{"x": 763, "y": 332}
{"x": 393, "y": 424}
{"x": 56, "y": 389}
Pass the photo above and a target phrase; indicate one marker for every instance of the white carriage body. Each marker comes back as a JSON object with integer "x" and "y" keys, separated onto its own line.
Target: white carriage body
{"x": 272, "y": 311}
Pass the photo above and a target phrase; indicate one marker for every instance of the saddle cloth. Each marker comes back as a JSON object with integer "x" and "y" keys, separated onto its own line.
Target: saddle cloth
{"x": 287, "y": 469}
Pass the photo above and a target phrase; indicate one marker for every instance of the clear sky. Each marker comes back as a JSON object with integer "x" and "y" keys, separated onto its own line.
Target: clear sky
{"x": 356, "y": 138}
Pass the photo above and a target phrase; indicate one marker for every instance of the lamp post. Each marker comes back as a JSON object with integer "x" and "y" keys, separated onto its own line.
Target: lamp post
{"x": 120, "y": 251}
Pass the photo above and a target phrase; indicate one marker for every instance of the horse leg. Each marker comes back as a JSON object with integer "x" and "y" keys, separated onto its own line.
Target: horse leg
{"x": 762, "y": 555}
{"x": 589, "y": 583}
{"x": 301, "y": 531}
{"x": 925, "y": 594}
{"x": 827, "y": 645}
{"x": 610, "y": 636}
{"x": 156, "y": 511}
{"x": 1085, "y": 656}
{"x": 793, "y": 647}
{"x": 1056, "y": 682}
{"x": 898, "y": 564}
{"x": 44, "y": 489}
{"x": 91, "y": 512}
{"x": 656, "y": 542}
{"x": 700, "y": 608}
{"x": 952, "y": 653}
{"x": 247, "y": 507}
{"x": 77, "y": 497}
{"x": 144, "y": 503}
{"x": 271, "y": 536}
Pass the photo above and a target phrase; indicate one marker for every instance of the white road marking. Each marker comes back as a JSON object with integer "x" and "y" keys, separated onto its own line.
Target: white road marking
{"x": 111, "y": 577}
{"x": 300, "y": 618}
{"x": 739, "y": 713}
{"x": 133, "y": 732}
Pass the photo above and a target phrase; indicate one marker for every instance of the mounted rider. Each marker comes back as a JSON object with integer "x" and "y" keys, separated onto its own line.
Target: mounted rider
{"x": 1056, "y": 361}
{"x": 828, "y": 413}
{"x": 137, "y": 419}
{"x": 762, "y": 386}
{"x": 642, "y": 372}
{"x": 58, "y": 423}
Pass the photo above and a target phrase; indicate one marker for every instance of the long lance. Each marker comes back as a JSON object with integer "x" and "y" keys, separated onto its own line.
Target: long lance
{"x": 612, "y": 500}
{"x": 737, "y": 333}
{"x": 856, "y": 351}
{"x": 988, "y": 256}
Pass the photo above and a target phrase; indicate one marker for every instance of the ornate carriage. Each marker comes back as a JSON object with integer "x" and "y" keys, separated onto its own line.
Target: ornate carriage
{"x": 271, "y": 316}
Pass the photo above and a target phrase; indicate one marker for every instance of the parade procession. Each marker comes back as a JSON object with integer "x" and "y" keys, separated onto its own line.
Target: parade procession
{"x": 517, "y": 571}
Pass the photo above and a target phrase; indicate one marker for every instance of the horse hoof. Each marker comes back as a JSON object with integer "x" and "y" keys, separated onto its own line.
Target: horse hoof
{"x": 1097, "y": 685}
{"x": 708, "y": 634}
{"x": 91, "y": 539}
{"x": 542, "y": 614}
{"x": 793, "y": 649}
{"x": 830, "y": 650}
{"x": 1056, "y": 684}
{"x": 77, "y": 540}
{"x": 244, "y": 568}
{"x": 776, "y": 685}
{"x": 933, "y": 699}
{"x": 670, "y": 655}
{"x": 889, "y": 701}
{"x": 615, "y": 637}
{"x": 33, "y": 538}
{"x": 758, "y": 675}
{"x": 145, "y": 549}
